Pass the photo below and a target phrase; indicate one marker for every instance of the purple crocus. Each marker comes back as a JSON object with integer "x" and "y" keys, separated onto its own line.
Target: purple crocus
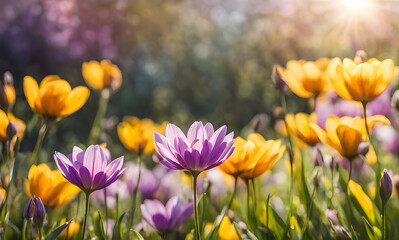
{"x": 91, "y": 170}
{"x": 202, "y": 148}
{"x": 166, "y": 218}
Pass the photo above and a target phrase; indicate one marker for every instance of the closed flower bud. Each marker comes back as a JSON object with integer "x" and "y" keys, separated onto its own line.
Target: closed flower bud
{"x": 11, "y": 131}
{"x": 29, "y": 209}
{"x": 279, "y": 113}
{"x": 386, "y": 187}
{"x": 395, "y": 100}
{"x": 318, "y": 157}
{"x": 259, "y": 122}
{"x": 341, "y": 233}
{"x": 40, "y": 212}
{"x": 360, "y": 56}
{"x": 363, "y": 148}
{"x": 278, "y": 80}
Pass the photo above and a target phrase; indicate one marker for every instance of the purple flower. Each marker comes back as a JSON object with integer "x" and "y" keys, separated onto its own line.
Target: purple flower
{"x": 149, "y": 182}
{"x": 202, "y": 148}
{"x": 166, "y": 218}
{"x": 91, "y": 170}
{"x": 118, "y": 187}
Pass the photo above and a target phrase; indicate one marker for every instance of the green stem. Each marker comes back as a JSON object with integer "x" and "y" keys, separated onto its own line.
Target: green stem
{"x": 196, "y": 222}
{"x": 135, "y": 192}
{"x": 39, "y": 230}
{"x": 378, "y": 171}
{"x": 233, "y": 194}
{"x": 117, "y": 207}
{"x": 248, "y": 199}
{"x": 86, "y": 214}
{"x": 24, "y": 229}
{"x": 106, "y": 211}
{"x": 39, "y": 141}
{"x": 383, "y": 222}
{"x": 101, "y": 112}
{"x": 254, "y": 197}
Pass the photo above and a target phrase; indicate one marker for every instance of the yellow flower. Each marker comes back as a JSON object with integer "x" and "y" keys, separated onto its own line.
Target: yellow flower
{"x": 307, "y": 78}
{"x": 54, "y": 98}
{"x": 4, "y": 121}
{"x": 70, "y": 231}
{"x": 227, "y": 231}
{"x": 363, "y": 200}
{"x": 360, "y": 81}
{"x": 49, "y": 185}
{"x": 135, "y": 133}
{"x": 100, "y": 75}
{"x": 2, "y": 194}
{"x": 298, "y": 125}
{"x": 10, "y": 93}
{"x": 346, "y": 133}
{"x": 241, "y": 158}
{"x": 253, "y": 157}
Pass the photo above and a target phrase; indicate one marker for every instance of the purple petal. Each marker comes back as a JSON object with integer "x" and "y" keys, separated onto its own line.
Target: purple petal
{"x": 184, "y": 215}
{"x": 61, "y": 163}
{"x": 195, "y": 132}
{"x": 146, "y": 215}
{"x": 209, "y": 130}
{"x": 74, "y": 177}
{"x": 114, "y": 166}
{"x": 161, "y": 222}
{"x": 99, "y": 179}
{"x": 77, "y": 154}
{"x": 218, "y": 136}
{"x": 172, "y": 132}
{"x": 86, "y": 178}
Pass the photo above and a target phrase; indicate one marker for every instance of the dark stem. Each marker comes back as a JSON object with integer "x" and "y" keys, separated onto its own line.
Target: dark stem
{"x": 39, "y": 230}
{"x": 248, "y": 199}
{"x": 233, "y": 194}
{"x": 135, "y": 192}
{"x": 383, "y": 222}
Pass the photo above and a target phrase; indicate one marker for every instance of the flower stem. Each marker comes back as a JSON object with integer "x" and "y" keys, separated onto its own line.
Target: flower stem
{"x": 39, "y": 141}
{"x": 101, "y": 112}
{"x": 86, "y": 212}
{"x": 196, "y": 222}
{"x": 106, "y": 211}
{"x": 233, "y": 194}
{"x": 24, "y": 229}
{"x": 383, "y": 222}
{"x": 39, "y": 230}
{"x": 135, "y": 192}
{"x": 248, "y": 199}
{"x": 378, "y": 171}
{"x": 254, "y": 198}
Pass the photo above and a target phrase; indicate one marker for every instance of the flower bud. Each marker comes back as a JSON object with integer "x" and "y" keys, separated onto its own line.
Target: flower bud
{"x": 341, "y": 233}
{"x": 360, "y": 56}
{"x": 317, "y": 157}
{"x": 259, "y": 122}
{"x": 395, "y": 100}
{"x": 8, "y": 79}
{"x": 11, "y": 131}
{"x": 279, "y": 113}
{"x": 363, "y": 148}
{"x": 29, "y": 209}
{"x": 40, "y": 212}
{"x": 278, "y": 80}
{"x": 385, "y": 187}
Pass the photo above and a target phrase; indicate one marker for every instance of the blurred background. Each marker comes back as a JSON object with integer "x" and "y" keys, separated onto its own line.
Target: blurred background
{"x": 183, "y": 60}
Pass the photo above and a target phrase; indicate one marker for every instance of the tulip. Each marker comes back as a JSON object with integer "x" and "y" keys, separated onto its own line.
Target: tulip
{"x": 90, "y": 170}
{"x": 54, "y": 98}
{"x": 101, "y": 75}
{"x": 360, "y": 81}
{"x": 166, "y": 218}
{"x": 307, "y": 78}
{"x": 138, "y": 135}
{"x": 52, "y": 188}
{"x": 202, "y": 149}
{"x": 298, "y": 125}
{"x": 346, "y": 134}
{"x": 227, "y": 231}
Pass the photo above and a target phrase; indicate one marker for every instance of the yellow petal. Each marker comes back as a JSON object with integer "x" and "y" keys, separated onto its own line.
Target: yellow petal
{"x": 3, "y": 126}
{"x": 93, "y": 74}
{"x": 48, "y": 79}
{"x": 349, "y": 139}
{"x": 76, "y": 99}
{"x": 384, "y": 76}
{"x": 363, "y": 200}
{"x": 337, "y": 78}
{"x": 31, "y": 90}
{"x": 52, "y": 96}
{"x": 227, "y": 230}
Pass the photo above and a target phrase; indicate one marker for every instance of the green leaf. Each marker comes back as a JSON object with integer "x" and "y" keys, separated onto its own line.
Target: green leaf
{"x": 138, "y": 235}
{"x": 276, "y": 224}
{"x": 369, "y": 229}
{"x": 117, "y": 232}
{"x": 99, "y": 226}
{"x": 54, "y": 234}
{"x": 216, "y": 224}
